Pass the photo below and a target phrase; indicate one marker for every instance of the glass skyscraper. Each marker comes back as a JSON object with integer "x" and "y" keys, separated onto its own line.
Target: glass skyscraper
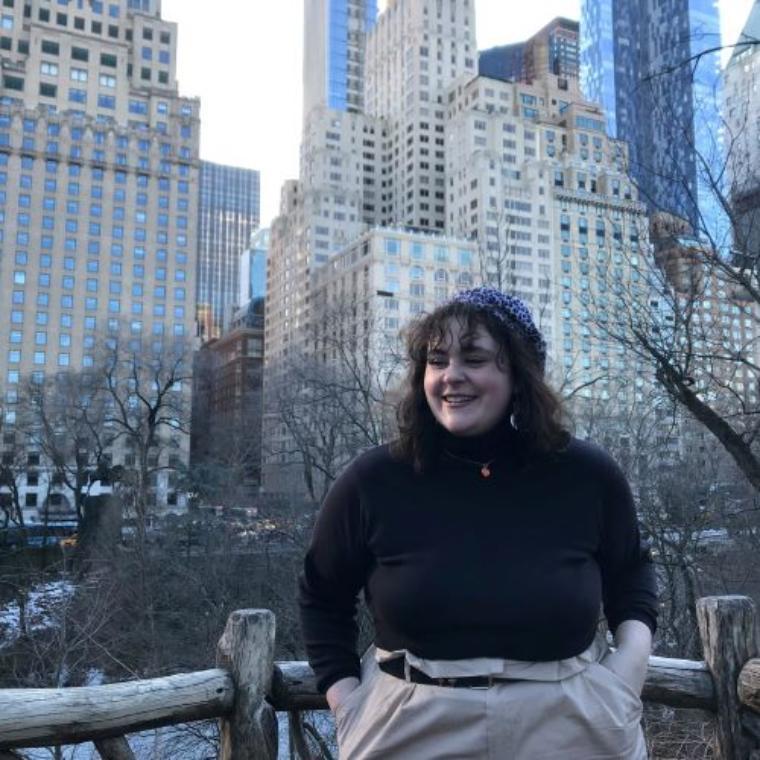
{"x": 553, "y": 50}
{"x": 334, "y": 34}
{"x": 253, "y": 268}
{"x": 645, "y": 61}
{"x": 228, "y": 213}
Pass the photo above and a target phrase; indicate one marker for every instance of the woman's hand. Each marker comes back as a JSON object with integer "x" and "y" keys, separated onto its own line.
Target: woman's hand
{"x": 339, "y": 691}
{"x": 631, "y": 658}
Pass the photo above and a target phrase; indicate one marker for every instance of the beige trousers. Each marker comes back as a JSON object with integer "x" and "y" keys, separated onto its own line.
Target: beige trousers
{"x": 574, "y": 709}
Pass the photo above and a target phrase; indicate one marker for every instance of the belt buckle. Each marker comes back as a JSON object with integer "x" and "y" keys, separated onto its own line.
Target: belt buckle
{"x": 491, "y": 681}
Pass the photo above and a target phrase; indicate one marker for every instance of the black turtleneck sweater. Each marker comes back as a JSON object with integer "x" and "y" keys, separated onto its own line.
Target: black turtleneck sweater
{"x": 454, "y": 565}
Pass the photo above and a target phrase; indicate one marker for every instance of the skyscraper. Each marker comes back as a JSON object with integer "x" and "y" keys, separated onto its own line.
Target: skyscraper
{"x": 415, "y": 53}
{"x": 98, "y": 185}
{"x": 228, "y": 213}
{"x": 333, "y": 62}
{"x": 649, "y": 65}
{"x": 253, "y": 268}
{"x": 552, "y": 50}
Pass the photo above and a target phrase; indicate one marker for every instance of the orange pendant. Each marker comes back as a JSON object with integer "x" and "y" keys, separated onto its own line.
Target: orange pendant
{"x": 485, "y": 471}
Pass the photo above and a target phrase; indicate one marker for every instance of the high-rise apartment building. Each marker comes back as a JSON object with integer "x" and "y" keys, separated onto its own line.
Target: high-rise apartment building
{"x": 415, "y": 52}
{"x": 552, "y": 50}
{"x": 654, "y": 69}
{"x": 741, "y": 114}
{"x": 228, "y": 213}
{"x": 98, "y": 186}
{"x": 333, "y": 61}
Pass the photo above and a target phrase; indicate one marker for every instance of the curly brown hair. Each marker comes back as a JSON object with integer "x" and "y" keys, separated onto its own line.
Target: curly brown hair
{"x": 537, "y": 410}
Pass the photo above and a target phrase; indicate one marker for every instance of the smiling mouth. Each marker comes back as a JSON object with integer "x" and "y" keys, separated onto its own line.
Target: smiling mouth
{"x": 458, "y": 400}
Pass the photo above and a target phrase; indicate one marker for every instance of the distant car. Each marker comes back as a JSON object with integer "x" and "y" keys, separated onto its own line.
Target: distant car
{"x": 35, "y": 536}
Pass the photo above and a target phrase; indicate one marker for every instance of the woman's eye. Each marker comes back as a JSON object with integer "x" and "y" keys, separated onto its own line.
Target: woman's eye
{"x": 436, "y": 362}
{"x": 476, "y": 361}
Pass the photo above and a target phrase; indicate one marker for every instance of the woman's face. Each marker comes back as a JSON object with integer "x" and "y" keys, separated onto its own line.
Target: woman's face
{"x": 467, "y": 388}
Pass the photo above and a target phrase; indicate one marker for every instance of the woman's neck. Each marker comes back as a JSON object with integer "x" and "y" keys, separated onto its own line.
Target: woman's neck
{"x": 498, "y": 442}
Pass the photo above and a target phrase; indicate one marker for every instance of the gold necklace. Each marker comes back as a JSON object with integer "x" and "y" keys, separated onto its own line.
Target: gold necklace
{"x": 485, "y": 467}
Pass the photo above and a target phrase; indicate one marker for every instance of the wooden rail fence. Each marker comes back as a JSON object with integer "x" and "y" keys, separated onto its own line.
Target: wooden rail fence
{"x": 247, "y": 687}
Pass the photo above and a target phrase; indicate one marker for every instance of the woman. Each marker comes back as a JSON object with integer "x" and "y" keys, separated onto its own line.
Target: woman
{"x": 485, "y": 541}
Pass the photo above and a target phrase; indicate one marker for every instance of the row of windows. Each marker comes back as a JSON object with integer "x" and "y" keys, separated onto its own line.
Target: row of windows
{"x": 96, "y": 209}
{"x": 96, "y": 27}
{"x": 47, "y": 242}
{"x": 49, "y": 90}
{"x": 418, "y": 251}
{"x": 99, "y": 156}
{"x": 135, "y": 106}
{"x": 97, "y": 173}
{"x": 40, "y": 358}
{"x": 18, "y": 298}
{"x": 93, "y": 228}
{"x": 69, "y": 281}
{"x": 117, "y": 251}
{"x": 66, "y": 322}
{"x": 74, "y": 188}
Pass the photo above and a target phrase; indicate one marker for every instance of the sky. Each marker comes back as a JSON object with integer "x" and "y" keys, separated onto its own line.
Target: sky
{"x": 243, "y": 58}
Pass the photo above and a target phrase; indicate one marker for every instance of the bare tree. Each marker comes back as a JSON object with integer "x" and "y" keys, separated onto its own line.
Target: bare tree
{"x": 65, "y": 425}
{"x": 336, "y": 397}
{"x": 12, "y": 475}
{"x": 692, "y": 320}
{"x": 146, "y": 399}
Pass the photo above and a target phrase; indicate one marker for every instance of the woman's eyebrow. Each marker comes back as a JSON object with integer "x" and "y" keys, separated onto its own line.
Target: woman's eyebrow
{"x": 472, "y": 347}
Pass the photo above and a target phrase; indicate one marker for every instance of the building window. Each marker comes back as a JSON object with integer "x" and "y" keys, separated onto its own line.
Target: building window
{"x": 13, "y": 83}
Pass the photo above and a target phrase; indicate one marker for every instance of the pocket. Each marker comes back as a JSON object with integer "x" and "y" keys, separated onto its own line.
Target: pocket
{"x": 620, "y": 682}
{"x": 606, "y": 715}
{"x": 348, "y": 702}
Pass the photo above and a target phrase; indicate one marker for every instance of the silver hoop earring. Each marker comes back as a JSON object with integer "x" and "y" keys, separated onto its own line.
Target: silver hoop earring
{"x": 513, "y": 421}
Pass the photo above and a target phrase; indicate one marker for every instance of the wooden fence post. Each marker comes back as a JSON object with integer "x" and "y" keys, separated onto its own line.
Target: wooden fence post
{"x": 114, "y": 749}
{"x": 727, "y": 630}
{"x": 246, "y": 650}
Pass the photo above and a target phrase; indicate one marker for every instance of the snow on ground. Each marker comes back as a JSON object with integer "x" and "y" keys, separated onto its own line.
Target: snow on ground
{"x": 194, "y": 742}
{"x": 42, "y": 603}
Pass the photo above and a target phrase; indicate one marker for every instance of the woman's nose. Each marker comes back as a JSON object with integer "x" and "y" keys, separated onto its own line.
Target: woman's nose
{"x": 453, "y": 372}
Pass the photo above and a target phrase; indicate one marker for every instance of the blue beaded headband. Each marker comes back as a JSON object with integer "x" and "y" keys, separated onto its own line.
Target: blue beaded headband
{"x": 511, "y": 311}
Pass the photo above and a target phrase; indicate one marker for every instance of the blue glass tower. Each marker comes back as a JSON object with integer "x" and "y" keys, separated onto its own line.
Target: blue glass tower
{"x": 646, "y": 63}
{"x": 227, "y": 215}
{"x": 334, "y": 32}
{"x": 253, "y": 268}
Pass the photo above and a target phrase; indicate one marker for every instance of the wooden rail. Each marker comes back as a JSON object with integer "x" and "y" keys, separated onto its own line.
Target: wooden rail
{"x": 248, "y": 687}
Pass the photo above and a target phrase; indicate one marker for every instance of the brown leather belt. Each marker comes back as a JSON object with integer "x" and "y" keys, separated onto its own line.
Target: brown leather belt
{"x": 395, "y": 667}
